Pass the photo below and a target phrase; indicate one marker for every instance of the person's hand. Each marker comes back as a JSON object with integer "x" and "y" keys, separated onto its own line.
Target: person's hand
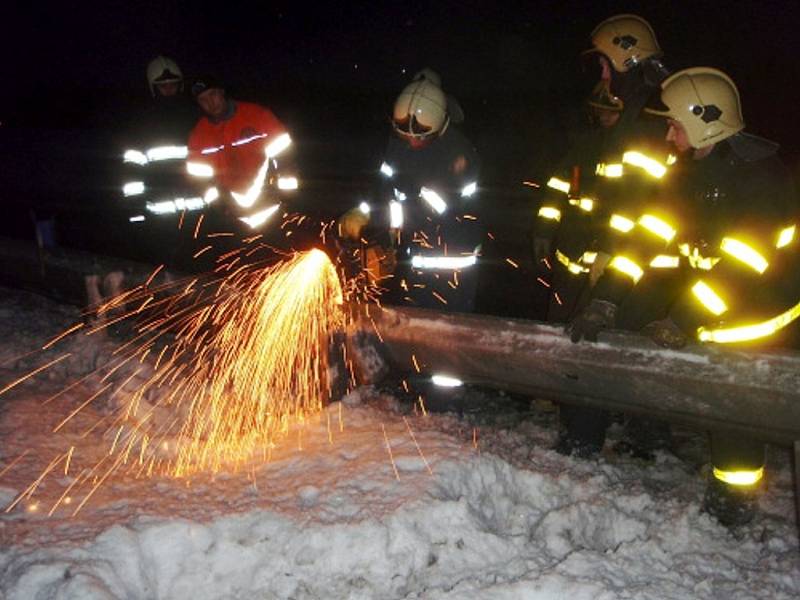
{"x": 666, "y": 333}
{"x": 593, "y": 319}
{"x": 352, "y": 223}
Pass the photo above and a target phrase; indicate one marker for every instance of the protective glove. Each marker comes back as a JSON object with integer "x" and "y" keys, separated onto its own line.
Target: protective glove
{"x": 597, "y": 316}
{"x": 352, "y": 223}
{"x": 541, "y": 248}
{"x": 666, "y": 333}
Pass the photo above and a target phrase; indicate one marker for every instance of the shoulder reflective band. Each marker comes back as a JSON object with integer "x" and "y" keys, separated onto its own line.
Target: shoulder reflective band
{"x": 588, "y": 258}
{"x": 696, "y": 260}
{"x": 709, "y": 298}
{"x": 549, "y": 212}
{"x": 749, "y": 332}
{"x": 610, "y": 170}
{"x": 572, "y": 267}
{"x": 662, "y": 261}
{"x": 288, "y": 183}
{"x": 585, "y": 204}
{"x": 395, "y": 215}
{"x": 742, "y": 478}
{"x": 785, "y": 237}
{"x": 621, "y": 223}
{"x": 257, "y": 219}
{"x": 469, "y": 189}
{"x": 627, "y": 266}
{"x": 133, "y": 188}
{"x": 449, "y": 263}
{"x": 558, "y": 184}
{"x": 134, "y": 156}
{"x": 435, "y": 201}
{"x": 167, "y": 153}
{"x": 650, "y": 165}
{"x": 671, "y": 159}
{"x": 387, "y": 170}
{"x": 658, "y": 227}
{"x": 278, "y": 145}
{"x": 744, "y": 253}
{"x": 196, "y": 169}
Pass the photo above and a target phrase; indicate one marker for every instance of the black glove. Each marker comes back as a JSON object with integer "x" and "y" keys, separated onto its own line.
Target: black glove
{"x": 666, "y": 333}
{"x": 595, "y": 317}
{"x": 541, "y": 248}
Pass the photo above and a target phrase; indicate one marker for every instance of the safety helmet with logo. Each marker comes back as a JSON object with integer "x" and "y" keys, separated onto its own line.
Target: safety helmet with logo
{"x": 420, "y": 111}
{"x": 162, "y": 70}
{"x": 626, "y": 40}
{"x": 705, "y": 101}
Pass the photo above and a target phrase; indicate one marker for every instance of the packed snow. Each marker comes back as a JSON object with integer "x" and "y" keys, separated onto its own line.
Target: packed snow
{"x": 371, "y": 499}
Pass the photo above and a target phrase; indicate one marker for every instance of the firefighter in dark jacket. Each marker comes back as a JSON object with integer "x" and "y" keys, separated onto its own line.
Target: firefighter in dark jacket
{"x": 427, "y": 196}
{"x": 731, "y": 239}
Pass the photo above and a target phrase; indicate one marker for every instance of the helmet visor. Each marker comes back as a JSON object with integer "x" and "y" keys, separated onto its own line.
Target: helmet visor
{"x": 409, "y": 126}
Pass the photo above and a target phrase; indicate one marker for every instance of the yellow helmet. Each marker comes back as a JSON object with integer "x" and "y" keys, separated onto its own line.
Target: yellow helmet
{"x": 705, "y": 101}
{"x": 626, "y": 40}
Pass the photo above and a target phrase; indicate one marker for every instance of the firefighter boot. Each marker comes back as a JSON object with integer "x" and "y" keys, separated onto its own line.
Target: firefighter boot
{"x": 732, "y": 505}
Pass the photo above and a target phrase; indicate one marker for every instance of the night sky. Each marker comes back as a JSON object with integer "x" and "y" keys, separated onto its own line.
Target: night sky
{"x": 332, "y": 73}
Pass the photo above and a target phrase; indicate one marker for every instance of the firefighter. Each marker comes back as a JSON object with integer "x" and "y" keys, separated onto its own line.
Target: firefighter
{"x": 732, "y": 236}
{"x": 155, "y": 188}
{"x": 240, "y": 156}
{"x": 427, "y": 201}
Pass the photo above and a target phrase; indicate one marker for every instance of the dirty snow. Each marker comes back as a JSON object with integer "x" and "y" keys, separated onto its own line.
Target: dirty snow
{"x": 471, "y": 505}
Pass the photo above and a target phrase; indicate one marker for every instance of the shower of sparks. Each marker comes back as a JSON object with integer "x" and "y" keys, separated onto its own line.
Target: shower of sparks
{"x": 235, "y": 361}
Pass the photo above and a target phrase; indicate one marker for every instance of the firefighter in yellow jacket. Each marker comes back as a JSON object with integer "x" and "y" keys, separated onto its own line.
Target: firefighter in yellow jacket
{"x": 730, "y": 239}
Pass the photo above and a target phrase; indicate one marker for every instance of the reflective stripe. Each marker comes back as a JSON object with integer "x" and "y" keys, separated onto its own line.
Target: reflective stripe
{"x": 167, "y": 153}
{"x": 621, "y": 223}
{"x": 196, "y": 169}
{"x": 650, "y": 165}
{"x": 558, "y": 184}
{"x": 165, "y": 207}
{"x": 572, "y": 267}
{"x": 288, "y": 183}
{"x": 387, "y": 170}
{"x": 435, "y": 201}
{"x": 744, "y": 253}
{"x": 469, "y": 189}
{"x": 443, "y": 262}
{"x": 446, "y": 381}
{"x": 259, "y": 218}
{"x": 399, "y": 196}
{"x": 742, "y": 478}
{"x": 136, "y": 219}
{"x": 585, "y": 204}
{"x": 609, "y": 170}
{"x": 749, "y": 332}
{"x": 134, "y": 156}
{"x": 588, "y": 258}
{"x": 133, "y": 188}
{"x": 628, "y": 267}
{"x": 247, "y": 140}
{"x": 278, "y": 145}
{"x": 395, "y": 215}
{"x": 671, "y": 159}
{"x": 662, "y": 261}
{"x": 785, "y": 237}
{"x": 211, "y": 194}
{"x": 709, "y": 298}
{"x": 549, "y": 212}
{"x": 364, "y": 208}
{"x": 658, "y": 227}
{"x": 696, "y": 260}
{"x": 212, "y": 150}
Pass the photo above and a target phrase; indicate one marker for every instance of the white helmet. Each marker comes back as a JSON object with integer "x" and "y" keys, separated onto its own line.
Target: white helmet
{"x": 162, "y": 70}
{"x": 705, "y": 101}
{"x": 420, "y": 110}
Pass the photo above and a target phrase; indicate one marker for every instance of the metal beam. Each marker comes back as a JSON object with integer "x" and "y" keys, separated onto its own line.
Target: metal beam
{"x": 752, "y": 393}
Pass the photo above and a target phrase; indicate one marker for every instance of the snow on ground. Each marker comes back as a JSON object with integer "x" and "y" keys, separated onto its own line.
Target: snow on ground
{"x": 473, "y": 505}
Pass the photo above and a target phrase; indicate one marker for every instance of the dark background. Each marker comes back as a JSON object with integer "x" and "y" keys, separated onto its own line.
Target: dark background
{"x": 73, "y": 74}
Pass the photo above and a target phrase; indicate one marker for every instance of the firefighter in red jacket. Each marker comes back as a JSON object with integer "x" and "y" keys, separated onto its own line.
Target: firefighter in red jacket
{"x": 240, "y": 151}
